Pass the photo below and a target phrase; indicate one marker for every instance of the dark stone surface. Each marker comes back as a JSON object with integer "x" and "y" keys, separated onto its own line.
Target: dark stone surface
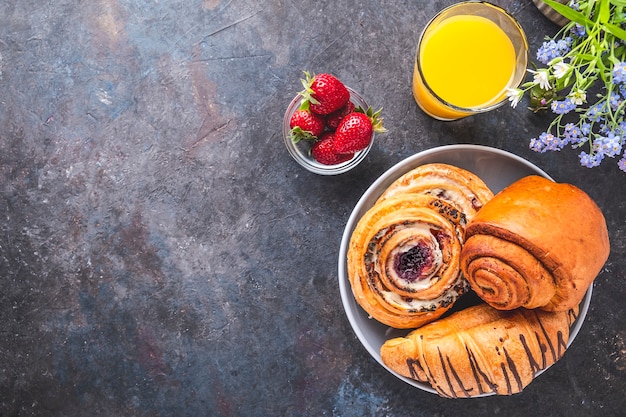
{"x": 161, "y": 254}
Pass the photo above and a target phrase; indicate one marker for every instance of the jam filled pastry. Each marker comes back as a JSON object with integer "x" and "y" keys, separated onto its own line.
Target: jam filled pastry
{"x": 459, "y": 187}
{"x": 536, "y": 244}
{"x": 403, "y": 256}
{"x": 403, "y": 260}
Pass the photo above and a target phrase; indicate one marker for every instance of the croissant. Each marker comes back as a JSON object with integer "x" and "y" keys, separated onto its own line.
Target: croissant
{"x": 480, "y": 350}
{"x": 403, "y": 260}
{"x": 459, "y": 187}
{"x": 536, "y": 244}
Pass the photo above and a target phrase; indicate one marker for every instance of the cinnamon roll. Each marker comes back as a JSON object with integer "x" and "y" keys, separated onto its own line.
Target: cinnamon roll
{"x": 536, "y": 244}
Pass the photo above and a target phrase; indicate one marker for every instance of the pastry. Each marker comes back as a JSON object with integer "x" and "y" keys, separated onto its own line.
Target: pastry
{"x": 403, "y": 256}
{"x": 536, "y": 244}
{"x": 459, "y": 187}
{"x": 481, "y": 350}
{"x": 403, "y": 259}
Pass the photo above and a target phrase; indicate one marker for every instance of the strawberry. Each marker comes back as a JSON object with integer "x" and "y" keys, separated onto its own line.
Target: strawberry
{"x": 333, "y": 119}
{"x": 306, "y": 125}
{"x": 322, "y": 151}
{"x": 324, "y": 93}
{"x": 355, "y": 131}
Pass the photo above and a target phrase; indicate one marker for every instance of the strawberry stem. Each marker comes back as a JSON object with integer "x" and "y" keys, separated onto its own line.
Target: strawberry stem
{"x": 307, "y": 93}
{"x": 376, "y": 119}
{"x": 297, "y": 134}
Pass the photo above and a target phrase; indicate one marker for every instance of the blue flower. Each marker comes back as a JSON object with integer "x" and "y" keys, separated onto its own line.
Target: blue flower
{"x": 619, "y": 72}
{"x": 551, "y": 49}
{"x": 572, "y": 134}
{"x": 615, "y": 100}
{"x": 609, "y": 145}
{"x": 553, "y": 143}
{"x": 536, "y": 145}
{"x": 590, "y": 160}
{"x": 563, "y": 107}
{"x": 596, "y": 112}
{"x": 604, "y": 128}
{"x": 573, "y": 4}
{"x": 581, "y": 61}
{"x": 547, "y": 142}
{"x": 563, "y": 45}
{"x": 578, "y": 31}
{"x": 585, "y": 128}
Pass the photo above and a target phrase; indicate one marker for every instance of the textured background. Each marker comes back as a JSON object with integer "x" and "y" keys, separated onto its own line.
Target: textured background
{"x": 161, "y": 254}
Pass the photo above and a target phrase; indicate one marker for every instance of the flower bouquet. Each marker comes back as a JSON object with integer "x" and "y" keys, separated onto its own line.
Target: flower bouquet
{"x": 582, "y": 82}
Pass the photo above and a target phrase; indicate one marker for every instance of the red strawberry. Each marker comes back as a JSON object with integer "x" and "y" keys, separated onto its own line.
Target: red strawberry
{"x": 323, "y": 152}
{"x": 324, "y": 93}
{"x": 333, "y": 119}
{"x": 306, "y": 125}
{"x": 355, "y": 131}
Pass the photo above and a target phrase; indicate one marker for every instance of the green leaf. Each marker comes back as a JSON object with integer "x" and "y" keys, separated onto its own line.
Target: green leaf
{"x": 615, "y": 31}
{"x": 618, "y": 2}
{"x": 297, "y": 134}
{"x": 569, "y": 13}
{"x": 605, "y": 11}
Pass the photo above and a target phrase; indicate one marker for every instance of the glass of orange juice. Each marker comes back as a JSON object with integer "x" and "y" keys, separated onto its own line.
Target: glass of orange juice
{"x": 467, "y": 57}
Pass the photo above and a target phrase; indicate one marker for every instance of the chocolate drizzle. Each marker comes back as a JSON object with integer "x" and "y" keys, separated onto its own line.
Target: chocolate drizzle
{"x": 459, "y": 381}
{"x": 562, "y": 343}
{"x": 414, "y": 366}
{"x": 534, "y": 366}
{"x": 506, "y": 378}
{"x": 493, "y": 363}
{"x": 450, "y": 388}
{"x": 555, "y": 356}
{"x": 479, "y": 374}
{"x": 572, "y": 315}
{"x": 511, "y": 364}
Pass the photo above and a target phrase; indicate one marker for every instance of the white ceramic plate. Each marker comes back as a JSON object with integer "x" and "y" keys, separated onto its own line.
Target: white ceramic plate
{"x": 497, "y": 168}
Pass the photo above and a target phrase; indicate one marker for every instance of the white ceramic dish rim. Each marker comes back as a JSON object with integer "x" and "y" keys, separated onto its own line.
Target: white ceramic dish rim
{"x": 432, "y": 155}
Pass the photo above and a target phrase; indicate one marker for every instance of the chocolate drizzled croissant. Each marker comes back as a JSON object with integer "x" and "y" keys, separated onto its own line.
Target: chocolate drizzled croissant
{"x": 481, "y": 350}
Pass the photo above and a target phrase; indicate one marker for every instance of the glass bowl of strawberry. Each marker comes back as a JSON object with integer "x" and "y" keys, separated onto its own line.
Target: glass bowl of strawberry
{"x": 328, "y": 127}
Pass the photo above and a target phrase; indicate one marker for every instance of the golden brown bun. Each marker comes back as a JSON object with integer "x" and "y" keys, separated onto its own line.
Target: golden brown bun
{"x": 459, "y": 187}
{"x": 481, "y": 350}
{"x": 536, "y": 244}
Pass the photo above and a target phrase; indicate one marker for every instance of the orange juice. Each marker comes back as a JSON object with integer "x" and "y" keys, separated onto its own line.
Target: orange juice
{"x": 467, "y": 61}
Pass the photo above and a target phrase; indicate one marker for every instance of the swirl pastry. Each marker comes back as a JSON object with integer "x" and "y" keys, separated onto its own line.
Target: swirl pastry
{"x": 403, "y": 259}
{"x": 480, "y": 350}
{"x": 459, "y": 187}
{"x": 536, "y": 244}
{"x": 403, "y": 256}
